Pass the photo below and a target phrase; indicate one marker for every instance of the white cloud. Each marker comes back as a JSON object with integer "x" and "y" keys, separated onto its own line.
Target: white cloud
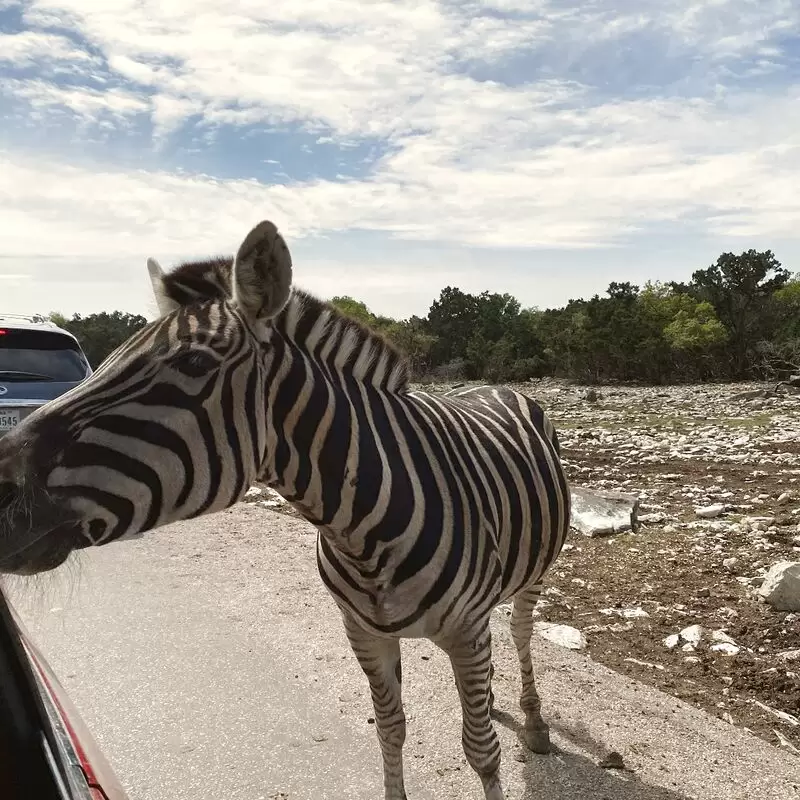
{"x": 594, "y": 176}
{"x": 32, "y": 48}
{"x": 169, "y": 112}
{"x": 89, "y": 104}
{"x": 537, "y": 162}
{"x": 356, "y": 67}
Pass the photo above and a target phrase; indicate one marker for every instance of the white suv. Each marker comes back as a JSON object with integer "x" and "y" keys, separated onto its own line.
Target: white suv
{"x": 38, "y": 362}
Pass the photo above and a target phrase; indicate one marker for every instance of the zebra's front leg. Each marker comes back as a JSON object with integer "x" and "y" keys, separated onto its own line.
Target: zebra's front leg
{"x": 537, "y": 733}
{"x": 380, "y": 660}
{"x": 471, "y": 657}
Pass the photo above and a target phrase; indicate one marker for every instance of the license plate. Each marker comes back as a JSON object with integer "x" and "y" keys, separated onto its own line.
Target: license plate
{"x": 9, "y": 419}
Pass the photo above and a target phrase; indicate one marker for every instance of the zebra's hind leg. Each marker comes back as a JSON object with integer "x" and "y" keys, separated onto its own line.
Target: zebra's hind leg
{"x": 379, "y": 658}
{"x": 537, "y": 733}
{"x": 471, "y": 657}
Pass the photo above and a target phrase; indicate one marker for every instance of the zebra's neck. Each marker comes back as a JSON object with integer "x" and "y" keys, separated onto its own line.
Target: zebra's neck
{"x": 323, "y": 372}
{"x": 345, "y": 350}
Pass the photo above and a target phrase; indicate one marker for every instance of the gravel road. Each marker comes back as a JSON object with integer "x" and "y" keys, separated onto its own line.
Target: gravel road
{"x": 211, "y": 664}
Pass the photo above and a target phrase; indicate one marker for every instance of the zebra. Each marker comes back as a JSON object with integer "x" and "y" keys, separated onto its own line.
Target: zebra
{"x": 431, "y": 509}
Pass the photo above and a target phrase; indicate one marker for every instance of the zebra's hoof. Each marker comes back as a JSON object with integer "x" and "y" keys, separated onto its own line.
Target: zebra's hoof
{"x": 538, "y": 740}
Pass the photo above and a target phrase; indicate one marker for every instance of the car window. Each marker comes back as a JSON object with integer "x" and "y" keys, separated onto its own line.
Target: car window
{"x": 39, "y": 355}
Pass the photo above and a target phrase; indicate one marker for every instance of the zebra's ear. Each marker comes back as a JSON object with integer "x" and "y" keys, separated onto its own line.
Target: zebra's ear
{"x": 165, "y": 303}
{"x": 262, "y": 272}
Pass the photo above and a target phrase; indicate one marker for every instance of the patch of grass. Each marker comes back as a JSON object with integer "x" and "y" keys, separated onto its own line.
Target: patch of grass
{"x": 754, "y": 421}
{"x": 627, "y": 421}
{"x": 672, "y": 422}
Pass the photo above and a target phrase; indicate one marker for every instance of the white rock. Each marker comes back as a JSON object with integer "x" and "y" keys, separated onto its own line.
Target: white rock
{"x": 253, "y": 491}
{"x": 785, "y": 742}
{"x": 644, "y": 663}
{"x": 563, "y": 635}
{"x": 789, "y": 655}
{"x": 707, "y": 512}
{"x": 599, "y": 513}
{"x": 693, "y": 634}
{"x": 759, "y": 523}
{"x": 781, "y": 715}
{"x": 270, "y": 503}
{"x": 781, "y": 586}
{"x": 784, "y": 498}
{"x": 730, "y": 563}
{"x": 672, "y": 640}
{"x": 737, "y": 528}
{"x": 633, "y": 613}
{"x": 627, "y": 613}
{"x": 726, "y": 648}
{"x": 721, "y": 636}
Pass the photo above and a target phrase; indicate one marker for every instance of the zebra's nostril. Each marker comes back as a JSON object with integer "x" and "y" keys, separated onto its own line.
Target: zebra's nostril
{"x": 97, "y": 527}
{"x": 8, "y": 493}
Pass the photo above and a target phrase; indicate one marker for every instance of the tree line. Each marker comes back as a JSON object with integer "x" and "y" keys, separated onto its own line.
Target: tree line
{"x": 737, "y": 319}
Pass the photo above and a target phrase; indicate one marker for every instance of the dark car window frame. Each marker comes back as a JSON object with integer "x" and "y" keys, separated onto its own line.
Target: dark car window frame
{"x": 33, "y": 761}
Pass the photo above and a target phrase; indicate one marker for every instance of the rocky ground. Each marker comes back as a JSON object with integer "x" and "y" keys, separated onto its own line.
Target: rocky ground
{"x": 632, "y": 594}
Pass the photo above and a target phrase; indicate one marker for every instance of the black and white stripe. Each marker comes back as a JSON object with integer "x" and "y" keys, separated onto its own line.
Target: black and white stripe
{"x": 431, "y": 509}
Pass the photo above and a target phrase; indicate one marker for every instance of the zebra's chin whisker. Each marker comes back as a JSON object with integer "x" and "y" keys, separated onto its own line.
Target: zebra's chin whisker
{"x": 45, "y": 552}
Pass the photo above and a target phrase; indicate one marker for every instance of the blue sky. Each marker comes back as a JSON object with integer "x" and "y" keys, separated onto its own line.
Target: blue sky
{"x": 543, "y": 148}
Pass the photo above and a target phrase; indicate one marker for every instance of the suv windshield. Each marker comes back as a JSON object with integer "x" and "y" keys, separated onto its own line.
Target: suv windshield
{"x": 31, "y": 355}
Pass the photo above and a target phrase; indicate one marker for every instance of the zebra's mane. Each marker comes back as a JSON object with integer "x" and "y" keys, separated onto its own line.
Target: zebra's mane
{"x": 359, "y": 351}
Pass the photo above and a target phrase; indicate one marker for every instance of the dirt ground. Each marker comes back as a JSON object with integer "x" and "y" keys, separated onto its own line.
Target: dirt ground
{"x": 680, "y": 448}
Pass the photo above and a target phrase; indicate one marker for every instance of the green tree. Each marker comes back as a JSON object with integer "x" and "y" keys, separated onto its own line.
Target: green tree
{"x": 695, "y": 329}
{"x": 100, "y": 334}
{"x": 689, "y": 335}
{"x": 452, "y": 319}
{"x": 354, "y": 309}
{"x": 740, "y": 288}
{"x": 496, "y": 314}
{"x": 786, "y": 309}
{"x": 778, "y": 355}
{"x": 413, "y": 337}
{"x": 565, "y": 338}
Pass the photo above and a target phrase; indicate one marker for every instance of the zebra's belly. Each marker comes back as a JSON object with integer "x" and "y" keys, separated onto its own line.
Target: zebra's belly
{"x": 404, "y": 611}
{"x": 384, "y": 618}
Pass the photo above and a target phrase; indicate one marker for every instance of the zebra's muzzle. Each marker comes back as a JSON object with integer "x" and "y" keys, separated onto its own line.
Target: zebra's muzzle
{"x": 43, "y": 553}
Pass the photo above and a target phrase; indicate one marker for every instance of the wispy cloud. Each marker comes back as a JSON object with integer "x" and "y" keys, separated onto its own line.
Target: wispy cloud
{"x": 499, "y": 123}
{"x": 85, "y": 103}
{"x": 33, "y": 48}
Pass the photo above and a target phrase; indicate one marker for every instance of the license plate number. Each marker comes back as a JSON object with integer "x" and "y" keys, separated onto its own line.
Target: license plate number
{"x": 8, "y": 420}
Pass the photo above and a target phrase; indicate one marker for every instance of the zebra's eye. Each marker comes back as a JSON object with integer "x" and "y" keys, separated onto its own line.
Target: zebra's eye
{"x": 195, "y": 363}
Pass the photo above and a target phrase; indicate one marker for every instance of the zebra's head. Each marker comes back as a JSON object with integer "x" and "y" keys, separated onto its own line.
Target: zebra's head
{"x": 149, "y": 438}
